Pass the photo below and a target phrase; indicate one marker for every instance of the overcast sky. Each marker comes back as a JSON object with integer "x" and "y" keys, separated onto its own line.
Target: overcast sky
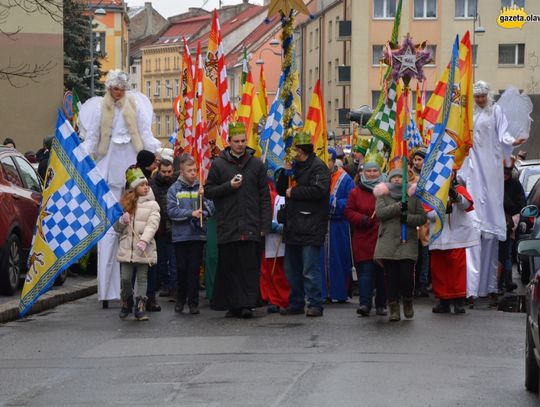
{"x": 169, "y": 8}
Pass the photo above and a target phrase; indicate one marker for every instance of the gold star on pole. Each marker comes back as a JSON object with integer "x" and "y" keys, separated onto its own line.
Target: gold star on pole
{"x": 285, "y": 6}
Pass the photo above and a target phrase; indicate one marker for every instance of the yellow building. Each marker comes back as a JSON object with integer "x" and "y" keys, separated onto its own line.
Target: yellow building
{"x": 111, "y": 34}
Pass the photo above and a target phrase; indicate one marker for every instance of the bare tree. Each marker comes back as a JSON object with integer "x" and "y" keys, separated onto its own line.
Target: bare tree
{"x": 19, "y": 74}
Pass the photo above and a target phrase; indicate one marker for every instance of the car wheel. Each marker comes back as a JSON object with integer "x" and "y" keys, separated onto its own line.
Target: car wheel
{"x": 62, "y": 277}
{"x": 531, "y": 367}
{"x": 10, "y": 265}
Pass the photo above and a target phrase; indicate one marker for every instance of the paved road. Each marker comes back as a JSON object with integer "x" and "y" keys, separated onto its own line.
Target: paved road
{"x": 81, "y": 355}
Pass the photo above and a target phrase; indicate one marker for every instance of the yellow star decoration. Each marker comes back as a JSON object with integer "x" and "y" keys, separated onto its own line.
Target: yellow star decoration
{"x": 286, "y": 6}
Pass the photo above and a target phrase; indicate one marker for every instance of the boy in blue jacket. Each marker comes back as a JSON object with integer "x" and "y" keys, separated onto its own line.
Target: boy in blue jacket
{"x": 188, "y": 237}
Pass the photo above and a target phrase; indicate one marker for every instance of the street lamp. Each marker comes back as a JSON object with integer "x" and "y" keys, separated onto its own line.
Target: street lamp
{"x": 260, "y": 61}
{"x": 97, "y": 12}
{"x": 476, "y": 30}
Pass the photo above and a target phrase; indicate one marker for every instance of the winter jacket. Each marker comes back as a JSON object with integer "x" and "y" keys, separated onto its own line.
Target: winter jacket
{"x": 360, "y": 212}
{"x": 182, "y": 200}
{"x": 388, "y": 210}
{"x": 514, "y": 197}
{"x": 142, "y": 226}
{"x": 243, "y": 213}
{"x": 307, "y": 208}
{"x": 160, "y": 187}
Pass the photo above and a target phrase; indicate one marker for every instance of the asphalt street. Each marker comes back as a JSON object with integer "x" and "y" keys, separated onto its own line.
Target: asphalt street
{"x": 81, "y": 355}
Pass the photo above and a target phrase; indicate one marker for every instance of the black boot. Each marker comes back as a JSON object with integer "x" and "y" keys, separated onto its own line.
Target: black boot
{"x": 152, "y": 305}
{"x": 443, "y": 307}
{"x": 140, "y": 309}
{"x": 459, "y": 306}
{"x": 127, "y": 307}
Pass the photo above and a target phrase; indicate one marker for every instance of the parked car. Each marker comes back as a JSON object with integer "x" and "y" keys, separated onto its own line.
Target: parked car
{"x": 528, "y": 176}
{"x": 529, "y": 253}
{"x": 20, "y": 198}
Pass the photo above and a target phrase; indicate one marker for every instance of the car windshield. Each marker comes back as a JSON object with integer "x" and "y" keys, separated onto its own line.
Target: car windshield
{"x": 530, "y": 180}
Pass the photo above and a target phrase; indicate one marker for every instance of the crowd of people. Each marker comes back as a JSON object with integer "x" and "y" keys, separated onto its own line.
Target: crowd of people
{"x": 297, "y": 239}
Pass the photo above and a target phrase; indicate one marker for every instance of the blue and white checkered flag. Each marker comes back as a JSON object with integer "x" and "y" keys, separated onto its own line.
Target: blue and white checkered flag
{"x": 77, "y": 209}
{"x": 412, "y": 135}
{"x": 273, "y": 134}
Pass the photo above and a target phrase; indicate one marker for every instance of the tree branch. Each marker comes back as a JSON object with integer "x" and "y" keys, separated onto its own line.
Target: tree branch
{"x": 52, "y": 8}
{"x": 19, "y": 75}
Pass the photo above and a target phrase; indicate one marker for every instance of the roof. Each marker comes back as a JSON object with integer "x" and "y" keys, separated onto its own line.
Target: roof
{"x": 104, "y": 3}
{"x": 133, "y": 11}
{"x": 252, "y": 39}
{"x": 184, "y": 28}
{"x": 233, "y": 23}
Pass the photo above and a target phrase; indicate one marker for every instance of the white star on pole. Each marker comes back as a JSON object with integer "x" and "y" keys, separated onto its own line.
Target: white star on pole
{"x": 408, "y": 61}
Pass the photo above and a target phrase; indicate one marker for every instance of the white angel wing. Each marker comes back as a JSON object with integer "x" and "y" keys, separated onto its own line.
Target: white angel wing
{"x": 517, "y": 108}
{"x": 89, "y": 115}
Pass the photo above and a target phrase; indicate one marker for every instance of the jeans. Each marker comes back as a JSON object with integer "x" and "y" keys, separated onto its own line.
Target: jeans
{"x": 371, "y": 276}
{"x": 399, "y": 278}
{"x": 302, "y": 268}
{"x": 166, "y": 263}
{"x": 189, "y": 260}
{"x": 505, "y": 257}
{"x": 422, "y": 266}
{"x": 127, "y": 272}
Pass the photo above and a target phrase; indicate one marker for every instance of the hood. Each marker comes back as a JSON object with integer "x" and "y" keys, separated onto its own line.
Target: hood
{"x": 383, "y": 189}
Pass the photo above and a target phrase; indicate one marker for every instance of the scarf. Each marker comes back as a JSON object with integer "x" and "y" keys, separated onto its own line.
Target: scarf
{"x": 371, "y": 183}
{"x": 395, "y": 190}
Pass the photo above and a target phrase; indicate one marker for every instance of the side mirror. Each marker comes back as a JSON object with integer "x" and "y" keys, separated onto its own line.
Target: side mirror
{"x": 530, "y": 211}
{"x": 528, "y": 247}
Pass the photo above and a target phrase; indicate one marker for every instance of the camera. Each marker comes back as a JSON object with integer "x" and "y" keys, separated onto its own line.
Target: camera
{"x": 360, "y": 115}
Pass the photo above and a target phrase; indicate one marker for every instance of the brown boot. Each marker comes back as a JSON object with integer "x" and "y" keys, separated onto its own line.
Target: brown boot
{"x": 408, "y": 310}
{"x": 394, "y": 312}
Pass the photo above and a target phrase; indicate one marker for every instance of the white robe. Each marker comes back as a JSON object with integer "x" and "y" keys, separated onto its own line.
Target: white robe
{"x": 483, "y": 174}
{"x": 120, "y": 155}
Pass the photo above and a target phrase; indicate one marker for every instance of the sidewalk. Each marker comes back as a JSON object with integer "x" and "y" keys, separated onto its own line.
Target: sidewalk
{"x": 76, "y": 286}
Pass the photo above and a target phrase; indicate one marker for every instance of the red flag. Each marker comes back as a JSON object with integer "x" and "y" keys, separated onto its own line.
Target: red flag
{"x": 188, "y": 92}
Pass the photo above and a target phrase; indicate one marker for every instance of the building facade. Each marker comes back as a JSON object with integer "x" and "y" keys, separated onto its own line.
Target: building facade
{"x": 28, "y": 107}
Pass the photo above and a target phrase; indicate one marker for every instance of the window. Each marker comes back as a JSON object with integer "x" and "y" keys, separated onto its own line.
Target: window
{"x": 474, "y": 53}
{"x": 158, "y": 126}
{"x": 148, "y": 89}
{"x": 465, "y": 8}
{"x": 148, "y": 67}
{"x": 317, "y": 38}
{"x": 167, "y": 89}
{"x": 433, "y": 50}
{"x": 425, "y": 8}
{"x": 336, "y": 104}
{"x": 168, "y": 125}
{"x": 310, "y": 81}
{"x": 310, "y": 41}
{"x": 158, "y": 89}
{"x": 384, "y": 8}
{"x": 328, "y": 111}
{"x": 28, "y": 175}
{"x": 378, "y": 53}
{"x": 330, "y": 31}
{"x": 375, "y": 95}
{"x": 329, "y": 71}
{"x": 11, "y": 172}
{"x": 176, "y": 87}
{"x": 317, "y": 73}
{"x": 511, "y": 3}
{"x": 336, "y": 67}
{"x": 99, "y": 44}
{"x": 133, "y": 70}
{"x": 511, "y": 54}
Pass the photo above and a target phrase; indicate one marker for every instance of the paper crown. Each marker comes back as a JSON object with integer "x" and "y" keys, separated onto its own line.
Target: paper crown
{"x": 302, "y": 138}
{"x": 236, "y": 128}
{"x": 135, "y": 177}
{"x": 362, "y": 146}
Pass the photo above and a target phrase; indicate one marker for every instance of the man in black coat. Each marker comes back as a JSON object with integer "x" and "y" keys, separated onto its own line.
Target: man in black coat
{"x": 237, "y": 185}
{"x": 305, "y": 227}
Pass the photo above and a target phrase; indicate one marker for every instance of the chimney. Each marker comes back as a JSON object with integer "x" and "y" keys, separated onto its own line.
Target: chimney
{"x": 149, "y": 18}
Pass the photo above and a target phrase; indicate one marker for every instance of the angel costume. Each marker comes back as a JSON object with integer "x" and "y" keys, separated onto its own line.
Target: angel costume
{"x": 483, "y": 174}
{"x": 114, "y": 132}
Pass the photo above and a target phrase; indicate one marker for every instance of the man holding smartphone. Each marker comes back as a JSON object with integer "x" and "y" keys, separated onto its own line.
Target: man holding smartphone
{"x": 237, "y": 185}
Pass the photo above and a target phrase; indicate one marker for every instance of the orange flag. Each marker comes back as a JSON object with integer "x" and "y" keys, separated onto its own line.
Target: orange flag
{"x": 249, "y": 113}
{"x": 263, "y": 98}
{"x": 316, "y": 123}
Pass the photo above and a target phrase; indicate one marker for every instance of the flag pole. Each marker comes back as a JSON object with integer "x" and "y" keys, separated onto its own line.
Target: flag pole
{"x": 404, "y": 205}
{"x": 265, "y": 151}
{"x": 200, "y": 195}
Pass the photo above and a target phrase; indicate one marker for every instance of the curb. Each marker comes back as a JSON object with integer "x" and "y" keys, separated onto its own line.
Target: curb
{"x": 9, "y": 311}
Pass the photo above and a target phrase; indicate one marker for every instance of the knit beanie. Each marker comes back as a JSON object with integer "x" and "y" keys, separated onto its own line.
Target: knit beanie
{"x": 145, "y": 158}
{"x": 395, "y": 172}
{"x": 134, "y": 177}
